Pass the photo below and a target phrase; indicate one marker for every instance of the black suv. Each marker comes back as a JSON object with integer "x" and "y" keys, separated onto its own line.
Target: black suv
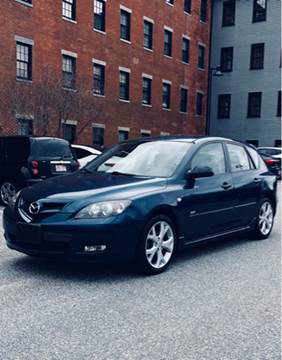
{"x": 27, "y": 160}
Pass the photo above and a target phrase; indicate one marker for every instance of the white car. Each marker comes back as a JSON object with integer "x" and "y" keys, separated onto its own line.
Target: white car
{"x": 85, "y": 154}
{"x": 275, "y": 152}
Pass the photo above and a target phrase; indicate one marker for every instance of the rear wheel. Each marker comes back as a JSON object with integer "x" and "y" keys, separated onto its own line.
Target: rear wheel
{"x": 157, "y": 245}
{"x": 265, "y": 219}
{"x": 8, "y": 189}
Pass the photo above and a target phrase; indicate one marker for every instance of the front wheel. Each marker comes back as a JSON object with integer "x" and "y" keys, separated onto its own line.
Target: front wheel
{"x": 157, "y": 245}
{"x": 265, "y": 219}
{"x": 8, "y": 190}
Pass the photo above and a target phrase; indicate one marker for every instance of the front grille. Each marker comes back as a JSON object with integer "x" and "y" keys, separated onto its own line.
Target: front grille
{"x": 46, "y": 208}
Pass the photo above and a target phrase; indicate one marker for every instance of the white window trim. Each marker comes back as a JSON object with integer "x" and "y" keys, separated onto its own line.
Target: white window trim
{"x": 24, "y": 3}
{"x": 69, "y": 53}
{"x": 69, "y": 122}
{"x": 145, "y": 18}
{"x": 69, "y": 20}
{"x": 168, "y": 28}
{"x": 24, "y": 40}
{"x": 163, "y": 133}
{"x": 168, "y": 3}
{"x": 121, "y": 68}
{"x": 147, "y": 132}
{"x": 147, "y": 76}
{"x": 167, "y": 82}
{"x": 99, "y": 62}
{"x": 24, "y": 116}
{"x": 187, "y": 37}
{"x": 124, "y": 8}
{"x": 184, "y": 87}
{"x": 96, "y": 125}
{"x": 202, "y": 44}
{"x": 200, "y": 92}
{"x": 121, "y": 128}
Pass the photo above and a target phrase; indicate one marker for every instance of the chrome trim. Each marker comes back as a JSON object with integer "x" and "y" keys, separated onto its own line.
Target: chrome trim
{"x": 209, "y": 212}
{"x": 217, "y": 235}
{"x": 247, "y": 204}
{"x": 24, "y": 215}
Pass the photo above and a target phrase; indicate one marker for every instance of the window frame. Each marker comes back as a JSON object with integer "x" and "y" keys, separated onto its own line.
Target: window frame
{"x": 189, "y": 7}
{"x": 73, "y": 82}
{"x": 185, "y": 40}
{"x": 147, "y": 91}
{"x": 183, "y": 110}
{"x": 99, "y": 91}
{"x": 148, "y": 36}
{"x": 168, "y": 44}
{"x": 166, "y": 96}
{"x": 99, "y": 18}
{"x": 254, "y": 60}
{"x": 102, "y": 129}
{"x": 225, "y": 5}
{"x": 250, "y": 114}
{"x": 224, "y": 61}
{"x": 204, "y": 11}
{"x": 251, "y": 165}
{"x": 220, "y": 114}
{"x": 259, "y": 17}
{"x": 124, "y": 85}
{"x": 72, "y": 4}
{"x": 199, "y": 95}
{"x": 28, "y": 63}
{"x": 278, "y": 110}
{"x": 125, "y": 28}
{"x": 201, "y": 59}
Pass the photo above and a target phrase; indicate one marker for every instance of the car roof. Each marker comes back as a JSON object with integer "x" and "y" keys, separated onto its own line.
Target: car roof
{"x": 85, "y": 147}
{"x": 178, "y": 138}
{"x": 270, "y": 147}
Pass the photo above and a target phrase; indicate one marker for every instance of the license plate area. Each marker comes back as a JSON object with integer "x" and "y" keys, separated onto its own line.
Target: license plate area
{"x": 29, "y": 233}
{"x": 60, "y": 167}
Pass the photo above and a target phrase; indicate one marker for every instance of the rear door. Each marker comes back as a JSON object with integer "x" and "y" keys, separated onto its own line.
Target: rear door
{"x": 246, "y": 181}
{"x": 209, "y": 203}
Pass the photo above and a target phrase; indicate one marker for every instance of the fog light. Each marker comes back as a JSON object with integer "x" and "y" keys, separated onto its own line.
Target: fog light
{"x": 94, "y": 248}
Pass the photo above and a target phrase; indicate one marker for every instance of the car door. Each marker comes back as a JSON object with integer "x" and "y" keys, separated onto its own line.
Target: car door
{"x": 209, "y": 202}
{"x": 246, "y": 181}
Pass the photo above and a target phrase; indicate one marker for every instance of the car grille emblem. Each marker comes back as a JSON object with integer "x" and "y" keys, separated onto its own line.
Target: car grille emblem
{"x": 34, "y": 208}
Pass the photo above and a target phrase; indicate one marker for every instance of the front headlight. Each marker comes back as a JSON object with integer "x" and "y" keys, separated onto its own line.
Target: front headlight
{"x": 103, "y": 209}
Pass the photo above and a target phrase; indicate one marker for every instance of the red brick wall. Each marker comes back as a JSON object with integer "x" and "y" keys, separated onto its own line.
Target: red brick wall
{"x": 44, "y": 24}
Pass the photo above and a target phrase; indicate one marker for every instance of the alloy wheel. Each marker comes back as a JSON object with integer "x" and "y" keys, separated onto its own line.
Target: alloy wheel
{"x": 7, "y": 191}
{"x": 265, "y": 218}
{"x": 160, "y": 244}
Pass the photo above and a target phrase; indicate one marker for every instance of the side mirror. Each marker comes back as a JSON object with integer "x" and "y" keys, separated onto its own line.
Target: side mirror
{"x": 199, "y": 172}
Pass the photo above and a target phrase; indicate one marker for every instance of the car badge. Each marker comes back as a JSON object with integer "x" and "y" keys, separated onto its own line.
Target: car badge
{"x": 34, "y": 208}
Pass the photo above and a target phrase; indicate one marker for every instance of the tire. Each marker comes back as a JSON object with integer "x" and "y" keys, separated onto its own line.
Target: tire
{"x": 264, "y": 220}
{"x": 157, "y": 246}
{"x": 8, "y": 188}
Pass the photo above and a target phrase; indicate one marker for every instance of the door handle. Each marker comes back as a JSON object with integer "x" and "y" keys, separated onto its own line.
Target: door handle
{"x": 226, "y": 186}
{"x": 257, "y": 180}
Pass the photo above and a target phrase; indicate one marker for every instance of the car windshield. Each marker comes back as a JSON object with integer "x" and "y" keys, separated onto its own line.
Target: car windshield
{"x": 150, "y": 159}
{"x": 47, "y": 148}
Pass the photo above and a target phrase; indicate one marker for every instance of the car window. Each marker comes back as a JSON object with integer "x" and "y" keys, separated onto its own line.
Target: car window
{"x": 17, "y": 149}
{"x": 81, "y": 153}
{"x": 239, "y": 160}
{"x": 47, "y": 148}
{"x": 255, "y": 157}
{"x": 211, "y": 155}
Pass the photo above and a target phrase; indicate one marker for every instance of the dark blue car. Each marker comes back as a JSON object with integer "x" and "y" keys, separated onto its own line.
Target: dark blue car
{"x": 143, "y": 200}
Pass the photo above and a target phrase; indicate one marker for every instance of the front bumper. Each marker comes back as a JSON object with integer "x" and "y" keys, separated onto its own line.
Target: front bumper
{"x": 67, "y": 239}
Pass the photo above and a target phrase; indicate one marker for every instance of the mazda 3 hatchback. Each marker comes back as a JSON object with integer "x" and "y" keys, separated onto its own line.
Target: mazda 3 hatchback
{"x": 144, "y": 200}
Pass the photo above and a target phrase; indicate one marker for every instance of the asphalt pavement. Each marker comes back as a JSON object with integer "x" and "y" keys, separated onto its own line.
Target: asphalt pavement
{"x": 219, "y": 301}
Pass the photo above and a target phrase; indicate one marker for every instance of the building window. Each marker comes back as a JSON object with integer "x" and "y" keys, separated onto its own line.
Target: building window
{"x": 226, "y": 59}
{"x": 257, "y": 56}
{"x": 147, "y": 91}
{"x": 69, "y": 132}
{"x": 253, "y": 142}
{"x": 187, "y": 6}
{"x": 170, "y": 2}
{"x": 148, "y": 34}
{"x": 145, "y": 133}
{"x": 167, "y": 42}
{"x": 69, "y": 64}
{"x": 224, "y": 105}
{"x": 124, "y": 85}
{"x": 24, "y": 61}
{"x": 166, "y": 95}
{"x": 185, "y": 50}
{"x": 100, "y": 15}
{"x": 278, "y": 143}
{"x": 254, "y": 104}
{"x": 98, "y": 135}
{"x": 229, "y": 9}
{"x": 183, "y": 100}
{"x": 259, "y": 10}
{"x": 27, "y": 1}
{"x": 279, "y": 104}
{"x": 68, "y": 9}
{"x": 201, "y": 57}
{"x": 123, "y": 135}
{"x": 203, "y": 10}
{"x": 199, "y": 104}
{"x": 25, "y": 127}
{"x": 99, "y": 79}
{"x": 125, "y": 18}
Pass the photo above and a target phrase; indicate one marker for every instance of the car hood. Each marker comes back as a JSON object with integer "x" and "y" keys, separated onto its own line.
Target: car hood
{"x": 80, "y": 186}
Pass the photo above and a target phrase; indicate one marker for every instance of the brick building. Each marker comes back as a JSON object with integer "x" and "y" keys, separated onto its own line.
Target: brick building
{"x": 145, "y": 62}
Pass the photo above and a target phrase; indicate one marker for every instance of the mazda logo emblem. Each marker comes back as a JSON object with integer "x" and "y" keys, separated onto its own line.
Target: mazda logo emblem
{"x": 34, "y": 208}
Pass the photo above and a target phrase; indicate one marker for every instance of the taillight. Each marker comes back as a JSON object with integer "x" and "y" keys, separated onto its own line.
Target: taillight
{"x": 34, "y": 165}
{"x": 271, "y": 161}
